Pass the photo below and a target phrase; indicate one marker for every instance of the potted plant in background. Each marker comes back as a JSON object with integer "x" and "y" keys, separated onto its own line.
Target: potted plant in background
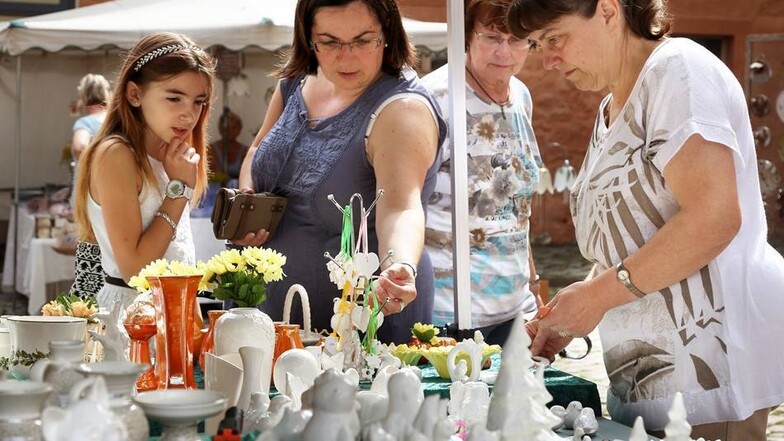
{"x": 241, "y": 277}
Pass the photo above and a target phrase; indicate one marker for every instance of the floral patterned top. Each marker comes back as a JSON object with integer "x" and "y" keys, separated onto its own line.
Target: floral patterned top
{"x": 503, "y": 171}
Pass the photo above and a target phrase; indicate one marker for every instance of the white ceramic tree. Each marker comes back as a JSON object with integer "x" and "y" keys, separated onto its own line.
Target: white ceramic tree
{"x": 518, "y": 406}
{"x": 678, "y": 429}
{"x": 638, "y": 431}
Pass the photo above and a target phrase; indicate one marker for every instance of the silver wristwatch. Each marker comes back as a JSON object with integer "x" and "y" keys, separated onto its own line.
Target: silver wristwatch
{"x": 177, "y": 189}
{"x": 623, "y": 276}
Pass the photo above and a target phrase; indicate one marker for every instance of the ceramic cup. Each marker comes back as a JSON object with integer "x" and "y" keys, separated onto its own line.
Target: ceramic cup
{"x": 32, "y": 333}
{"x": 20, "y": 409}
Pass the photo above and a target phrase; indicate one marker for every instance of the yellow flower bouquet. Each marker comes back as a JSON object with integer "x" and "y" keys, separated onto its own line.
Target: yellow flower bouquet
{"x": 162, "y": 268}
{"x": 242, "y": 276}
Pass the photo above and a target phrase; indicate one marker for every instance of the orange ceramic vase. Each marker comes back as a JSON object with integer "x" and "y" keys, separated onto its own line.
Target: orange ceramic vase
{"x": 174, "y": 298}
{"x": 208, "y": 340}
{"x": 286, "y": 337}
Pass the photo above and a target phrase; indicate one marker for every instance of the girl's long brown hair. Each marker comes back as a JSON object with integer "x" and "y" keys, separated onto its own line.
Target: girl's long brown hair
{"x": 125, "y": 123}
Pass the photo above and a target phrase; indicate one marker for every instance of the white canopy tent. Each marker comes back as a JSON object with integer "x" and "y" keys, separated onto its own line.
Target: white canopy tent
{"x": 236, "y": 25}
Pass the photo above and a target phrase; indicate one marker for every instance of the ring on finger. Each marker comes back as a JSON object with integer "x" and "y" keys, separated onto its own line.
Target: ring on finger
{"x": 562, "y": 333}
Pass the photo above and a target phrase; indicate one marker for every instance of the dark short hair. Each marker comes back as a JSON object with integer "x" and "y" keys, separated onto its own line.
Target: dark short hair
{"x": 398, "y": 52}
{"x": 646, "y": 18}
{"x": 491, "y": 13}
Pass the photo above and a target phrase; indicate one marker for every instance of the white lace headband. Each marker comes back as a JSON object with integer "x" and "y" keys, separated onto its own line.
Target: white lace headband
{"x": 163, "y": 50}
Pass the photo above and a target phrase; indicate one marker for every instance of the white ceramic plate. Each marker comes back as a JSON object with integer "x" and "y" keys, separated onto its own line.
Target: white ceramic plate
{"x": 179, "y": 406}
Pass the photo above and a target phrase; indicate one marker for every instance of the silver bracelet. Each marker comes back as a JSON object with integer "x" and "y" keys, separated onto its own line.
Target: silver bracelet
{"x": 413, "y": 268}
{"x": 168, "y": 221}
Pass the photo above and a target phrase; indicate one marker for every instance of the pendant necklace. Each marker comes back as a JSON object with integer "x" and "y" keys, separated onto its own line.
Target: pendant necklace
{"x": 501, "y": 105}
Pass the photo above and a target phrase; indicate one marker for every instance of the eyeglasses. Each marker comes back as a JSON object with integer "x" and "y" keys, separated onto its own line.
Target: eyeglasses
{"x": 494, "y": 41}
{"x": 360, "y": 45}
{"x": 552, "y": 43}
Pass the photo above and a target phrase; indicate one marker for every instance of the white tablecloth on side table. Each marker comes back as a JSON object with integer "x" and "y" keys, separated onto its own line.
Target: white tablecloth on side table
{"x": 26, "y": 233}
{"x": 45, "y": 265}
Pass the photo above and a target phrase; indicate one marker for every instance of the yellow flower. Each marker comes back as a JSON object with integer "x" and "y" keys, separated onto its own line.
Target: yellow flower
{"x": 242, "y": 275}
{"x": 53, "y": 308}
{"x": 80, "y": 309}
{"x": 158, "y": 268}
{"x": 425, "y": 333}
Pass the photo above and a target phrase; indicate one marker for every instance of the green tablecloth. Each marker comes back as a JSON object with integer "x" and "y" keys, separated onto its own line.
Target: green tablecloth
{"x": 564, "y": 387}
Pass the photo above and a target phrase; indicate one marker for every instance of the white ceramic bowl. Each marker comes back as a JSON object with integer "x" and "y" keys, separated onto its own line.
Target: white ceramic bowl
{"x": 180, "y": 407}
{"x": 32, "y": 333}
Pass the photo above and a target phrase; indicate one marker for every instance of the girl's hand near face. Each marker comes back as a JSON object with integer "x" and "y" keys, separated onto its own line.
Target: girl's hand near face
{"x": 181, "y": 161}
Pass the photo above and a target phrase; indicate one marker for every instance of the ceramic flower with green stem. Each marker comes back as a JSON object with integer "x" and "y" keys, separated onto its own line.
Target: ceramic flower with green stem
{"x": 242, "y": 276}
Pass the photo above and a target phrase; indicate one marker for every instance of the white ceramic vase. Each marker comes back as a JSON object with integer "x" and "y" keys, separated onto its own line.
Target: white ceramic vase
{"x": 247, "y": 327}
{"x": 252, "y": 378}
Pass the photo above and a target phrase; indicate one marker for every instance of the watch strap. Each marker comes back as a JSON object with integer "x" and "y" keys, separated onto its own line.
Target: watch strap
{"x": 627, "y": 281}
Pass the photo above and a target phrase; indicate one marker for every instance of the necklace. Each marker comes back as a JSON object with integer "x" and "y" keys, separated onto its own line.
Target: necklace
{"x": 500, "y": 104}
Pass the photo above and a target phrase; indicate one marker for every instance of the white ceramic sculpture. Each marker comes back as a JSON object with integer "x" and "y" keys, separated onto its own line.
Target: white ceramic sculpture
{"x": 334, "y": 416}
{"x": 119, "y": 378}
{"x": 300, "y": 363}
{"x": 678, "y": 429}
{"x": 277, "y": 407}
{"x": 474, "y": 365}
{"x": 289, "y": 428}
{"x": 586, "y": 421}
{"x": 638, "y": 431}
{"x": 572, "y": 412}
{"x": 405, "y": 397}
{"x": 114, "y": 340}
{"x": 373, "y": 407}
{"x": 88, "y": 418}
{"x": 518, "y": 405}
{"x": 470, "y": 402}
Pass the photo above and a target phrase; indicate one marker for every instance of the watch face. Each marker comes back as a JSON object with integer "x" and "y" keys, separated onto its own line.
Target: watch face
{"x": 623, "y": 275}
{"x": 175, "y": 188}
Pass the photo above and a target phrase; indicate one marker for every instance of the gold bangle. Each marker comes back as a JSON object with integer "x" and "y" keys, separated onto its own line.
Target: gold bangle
{"x": 169, "y": 221}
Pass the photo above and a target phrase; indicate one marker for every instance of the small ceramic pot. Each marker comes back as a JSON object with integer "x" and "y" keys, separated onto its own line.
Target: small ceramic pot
{"x": 20, "y": 410}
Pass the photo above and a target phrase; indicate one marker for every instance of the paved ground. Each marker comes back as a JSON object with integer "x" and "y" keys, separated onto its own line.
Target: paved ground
{"x": 563, "y": 265}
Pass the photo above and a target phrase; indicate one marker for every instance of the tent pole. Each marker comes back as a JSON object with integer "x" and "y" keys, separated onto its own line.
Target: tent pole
{"x": 459, "y": 169}
{"x": 18, "y": 172}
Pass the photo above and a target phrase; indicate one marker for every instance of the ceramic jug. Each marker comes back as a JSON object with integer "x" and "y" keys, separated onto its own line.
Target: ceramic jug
{"x": 59, "y": 370}
{"x": 120, "y": 377}
{"x": 20, "y": 409}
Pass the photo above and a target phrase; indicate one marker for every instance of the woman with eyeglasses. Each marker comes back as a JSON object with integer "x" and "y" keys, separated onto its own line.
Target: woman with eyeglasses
{"x": 349, "y": 116}
{"x": 687, "y": 294}
{"x": 503, "y": 170}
